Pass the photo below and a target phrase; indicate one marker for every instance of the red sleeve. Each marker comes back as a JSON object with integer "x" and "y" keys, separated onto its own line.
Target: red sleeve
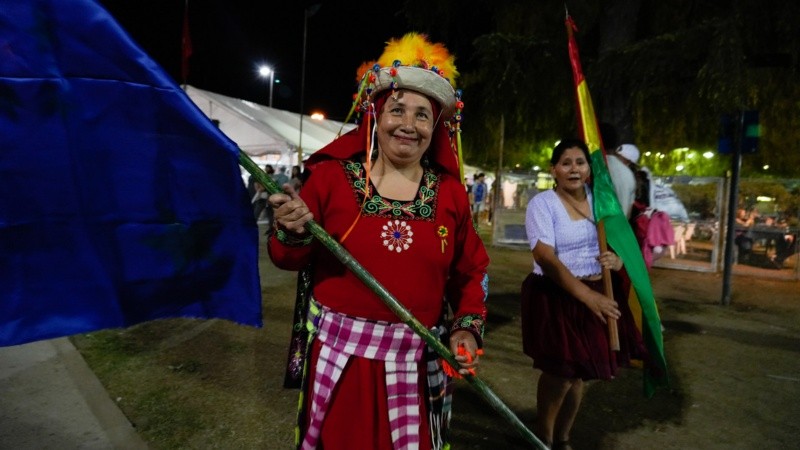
{"x": 468, "y": 285}
{"x": 313, "y": 193}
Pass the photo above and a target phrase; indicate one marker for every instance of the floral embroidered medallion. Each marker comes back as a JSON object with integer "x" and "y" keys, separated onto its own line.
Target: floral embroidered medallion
{"x": 397, "y": 235}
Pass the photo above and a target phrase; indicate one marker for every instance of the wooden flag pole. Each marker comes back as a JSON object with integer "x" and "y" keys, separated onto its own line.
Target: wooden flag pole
{"x": 347, "y": 259}
{"x": 613, "y": 332}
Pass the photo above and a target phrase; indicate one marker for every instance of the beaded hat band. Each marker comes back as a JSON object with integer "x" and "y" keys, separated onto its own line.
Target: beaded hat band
{"x": 413, "y": 63}
{"x": 416, "y": 79}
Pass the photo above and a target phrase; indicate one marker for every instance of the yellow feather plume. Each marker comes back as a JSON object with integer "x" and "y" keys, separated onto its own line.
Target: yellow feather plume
{"x": 414, "y": 49}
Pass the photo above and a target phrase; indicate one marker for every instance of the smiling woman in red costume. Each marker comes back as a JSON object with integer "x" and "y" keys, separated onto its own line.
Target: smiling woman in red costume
{"x": 390, "y": 192}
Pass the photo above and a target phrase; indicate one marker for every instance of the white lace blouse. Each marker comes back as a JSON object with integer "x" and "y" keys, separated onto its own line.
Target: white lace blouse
{"x": 574, "y": 241}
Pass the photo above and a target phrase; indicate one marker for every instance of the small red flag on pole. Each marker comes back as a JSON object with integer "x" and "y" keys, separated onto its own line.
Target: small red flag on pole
{"x": 186, "y": 45}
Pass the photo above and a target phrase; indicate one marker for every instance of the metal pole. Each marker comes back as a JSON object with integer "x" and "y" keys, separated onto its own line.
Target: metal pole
{"x": 302, "y": 88}
{"x": 263, "y": 71}
{"x": 347, "y": 259}
{"x": 731, "y": 219}
{"x": 271, "y": 84}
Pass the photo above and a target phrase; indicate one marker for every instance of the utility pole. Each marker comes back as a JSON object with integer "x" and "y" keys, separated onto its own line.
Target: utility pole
{"x": 744, "y": 136}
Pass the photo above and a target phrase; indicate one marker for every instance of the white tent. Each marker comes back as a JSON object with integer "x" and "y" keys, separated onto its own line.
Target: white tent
{"x": 269, "y": 135}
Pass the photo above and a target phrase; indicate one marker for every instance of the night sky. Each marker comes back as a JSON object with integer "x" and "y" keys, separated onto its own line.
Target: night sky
{"x": 230, "y": 38}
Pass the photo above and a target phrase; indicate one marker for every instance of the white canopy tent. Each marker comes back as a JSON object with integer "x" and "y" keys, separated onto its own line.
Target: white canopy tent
{"x": 269, "y": 135}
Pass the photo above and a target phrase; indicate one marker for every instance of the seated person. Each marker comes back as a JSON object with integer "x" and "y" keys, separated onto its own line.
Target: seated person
{"x": 785, "y": 245}
{"x": 744, "y": 239}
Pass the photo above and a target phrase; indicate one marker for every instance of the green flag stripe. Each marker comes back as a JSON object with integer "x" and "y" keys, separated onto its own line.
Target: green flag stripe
{"x": 620, "y": 237}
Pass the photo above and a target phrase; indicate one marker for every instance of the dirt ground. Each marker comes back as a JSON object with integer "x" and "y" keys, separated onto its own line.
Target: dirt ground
{"x": 735, "y": 372}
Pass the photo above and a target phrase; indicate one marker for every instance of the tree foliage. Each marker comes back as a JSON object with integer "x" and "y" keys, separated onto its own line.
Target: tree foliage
{"x": 664, "y": 81}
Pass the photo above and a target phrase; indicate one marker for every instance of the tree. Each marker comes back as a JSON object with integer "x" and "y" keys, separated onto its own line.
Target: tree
{"x": 662, "y": 72}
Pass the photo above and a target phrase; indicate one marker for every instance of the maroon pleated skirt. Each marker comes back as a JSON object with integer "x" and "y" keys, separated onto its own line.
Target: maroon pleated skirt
{"x": 566, "y": 339}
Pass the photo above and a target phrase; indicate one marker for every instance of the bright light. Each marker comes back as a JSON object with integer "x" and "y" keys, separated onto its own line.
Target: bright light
{"x": 679, "y": 167}
{"x": 537, "y": 168}
{"x": 648, "y": 153}
{"x": 766, "y": 167}
{"x": 517, "y": 166}
{"x": 317, "y": 116}
{"x": 266, "y": 72}
{"x": 708, "y": 155}
{"x": 762, "y": 198}
{"x": 661, "y": 156}
{"x": 690, "y": 155}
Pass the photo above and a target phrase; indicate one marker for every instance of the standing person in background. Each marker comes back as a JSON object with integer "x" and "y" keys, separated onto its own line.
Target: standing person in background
{"x": 633, "y": 186}
{"x": 296, "y": 180}
{"x": 281, "y": 178}
{"x": 392, "y": 195}
{"x": 259, "y": 199}
{"x": 251, "y": 187}
{"x": 643, "y": 197}
{"x": 479, "y": 194}
{"x": 492, "y": 196}
{"x": 564, "y": 310}
{"x": 471, "y": 197}
{"x": 623, "y": 176}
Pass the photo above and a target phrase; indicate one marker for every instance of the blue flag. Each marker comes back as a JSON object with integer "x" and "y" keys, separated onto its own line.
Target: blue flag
{"x": 120, "y": 202}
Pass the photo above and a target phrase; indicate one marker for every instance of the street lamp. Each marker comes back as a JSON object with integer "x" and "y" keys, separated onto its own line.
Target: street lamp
{"x": 265, "y": 71}
{"x": 309, "y": 11}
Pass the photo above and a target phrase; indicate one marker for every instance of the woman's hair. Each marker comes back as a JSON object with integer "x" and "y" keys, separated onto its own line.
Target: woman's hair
{"x": 566, "y": 144}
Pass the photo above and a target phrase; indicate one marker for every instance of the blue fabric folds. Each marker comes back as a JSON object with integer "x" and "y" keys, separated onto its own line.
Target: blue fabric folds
{"x": 120, "y": 202}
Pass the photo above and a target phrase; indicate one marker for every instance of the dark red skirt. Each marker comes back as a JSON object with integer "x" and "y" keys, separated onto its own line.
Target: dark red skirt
{"x": 566, "y": 339}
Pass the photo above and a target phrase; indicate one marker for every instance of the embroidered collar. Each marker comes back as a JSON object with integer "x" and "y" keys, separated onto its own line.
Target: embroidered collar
{"x": 423, "y": 207}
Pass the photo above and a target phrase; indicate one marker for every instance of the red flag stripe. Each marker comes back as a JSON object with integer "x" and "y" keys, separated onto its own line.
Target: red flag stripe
{"x": 186, "y": 45}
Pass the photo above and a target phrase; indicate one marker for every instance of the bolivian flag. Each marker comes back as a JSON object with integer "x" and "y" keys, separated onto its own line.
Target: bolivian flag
{"x": 618, "y": 232}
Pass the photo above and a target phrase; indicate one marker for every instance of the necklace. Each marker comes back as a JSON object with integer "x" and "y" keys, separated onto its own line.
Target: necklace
{"x": 571, "y": 202}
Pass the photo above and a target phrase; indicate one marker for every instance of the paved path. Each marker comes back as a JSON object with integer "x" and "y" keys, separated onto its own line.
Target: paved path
{"x": 50, "y": 399}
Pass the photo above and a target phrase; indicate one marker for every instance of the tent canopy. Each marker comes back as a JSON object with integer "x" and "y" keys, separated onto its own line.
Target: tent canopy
{"x": 260, "y": 130}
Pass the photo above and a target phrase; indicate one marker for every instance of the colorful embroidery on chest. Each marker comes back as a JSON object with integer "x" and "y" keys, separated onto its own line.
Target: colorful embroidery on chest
{"x": 421, "y": 208}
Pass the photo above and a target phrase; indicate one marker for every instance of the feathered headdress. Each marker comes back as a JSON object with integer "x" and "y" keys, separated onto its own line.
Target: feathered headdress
{"x": 412, "y": 62}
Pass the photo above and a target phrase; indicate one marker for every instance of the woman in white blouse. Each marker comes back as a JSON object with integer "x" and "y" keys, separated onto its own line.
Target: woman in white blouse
{"x": 564, "y": 311}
